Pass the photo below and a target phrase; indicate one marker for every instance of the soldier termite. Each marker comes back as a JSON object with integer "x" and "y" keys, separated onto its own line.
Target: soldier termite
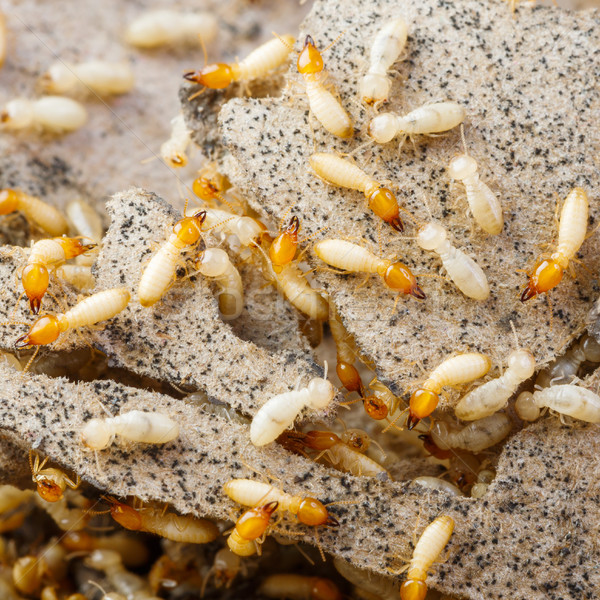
{"x": 323, "y": 104}
{"x": 173, "y": 151}
{"x": 215, "y": 263}
{"x": 250, "y": 530}
{"x": 343, "y": 173}
{"x": 51, "y": 483}
{"x": 356, "y": 259}
{"x": 374, "y": 87}
{"x": 462, "y": 368}
{"x": 283, "y": 248}
{"x": 466, "y": 274}
{"x": 474, "y": 437}
{"x": 40, "y": 213}
{"x": 96, "y": 76}
{"x": 430, "y": 545}
{"x": 164, "y": 27}
{"x": 572, "y": 228}
{"x": 54, "y": 114}
{"x": 134, "y": 425}
{"x": 160, "y": 271}
{"x": 279, "y": 412}
{"x": 299, "y": 587}
{"x": 485, "y": 206}
{"x": 571, "y": 400}
{"x": 431, "y": 118}
{"x": 45, "y": 255}
{"x": 257, "y": 64}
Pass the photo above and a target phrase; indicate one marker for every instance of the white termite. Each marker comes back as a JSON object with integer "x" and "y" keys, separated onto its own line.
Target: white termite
{"x": 435, "y": 483}
{"x": 492, "y": 396}
{"x": 84, "y": 219}
{"x": 96, "y": 77}
{"x": 466, "y": 274}
{"x": 389, "y": 42}
{"x": 246, "y": 229}
{"x": 54, "y": 114}
{"x": 173, "y": 151}
{"x": 215, "y": 263}
{"x": 164, "y": 27}
{"x": 42, "y": 214}
{"x": 571, "y": 400}
{"x": 279, "y": 412}
{"x": 431, "y": 118}
{"x": 79, "y": 276}
{"x": 474, "y": 437}
{"x": 134, "y": 425}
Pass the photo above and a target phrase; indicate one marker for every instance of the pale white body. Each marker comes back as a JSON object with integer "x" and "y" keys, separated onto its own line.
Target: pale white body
{"x": 135, "y": 425}
{"x": 571, "y": 400}
{"x": 475, "y": 436}
{"x": 96, "y": 77}
{"x": 343, "y": 173}
{"x": 431, "y": 118}
{"x": 279, "y": 412}
{"x": 484, "y": 204}
{"x": 350, "y": 257}
{"x": 430, "y": 545}
{"x": 492, "y": 396}
{"x": 572, "y": 226}
{"x": 526, "y": 408}
{"x": 54, "y": 114}
{"x": 246, "y": 229}
{"x": 389, "y": 42}
{"x": 344, "y": 342}
{"x": 79, "y": 276}
{"x": 99, "y": 307}
{"x": 164, "y": 27}
{"x": 178, "y": 528}
{"x": 264, "y": 59}
{"x": 215, "y": 263}
{"x": 348, "y": 460}
{"x": 85, "y": 220}
{"x": 435, "y": 483}
{"x": 173, "y": 151}
{"x": 46, "y": 252}
{"x": 467, "y": 275}
{"x": 462, "y": 368}
{"x": 249, "y": 492}
{"x": 41, "y": 213}
{"x": 326, "y": 107}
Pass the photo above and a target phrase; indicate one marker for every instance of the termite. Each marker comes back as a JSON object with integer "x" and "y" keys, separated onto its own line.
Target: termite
{"x": 30, "y": 572}
{"x": 453, "y": 371}
{"x": 79, "y": 276}
{"x": 160, "y": 271}
{"x": 257, "y": 64}
{"x": 384, "y": 403}
{"x": 279, "y": 412}
{"x": 51, "y": 483}
{"x": 283, "y": 248}
{"x": 466, "y": 274}
{"x": 173, "y": 151}
{"x": 44, "y": 255}
{"x": 134, "y": 425}
{"x": 484, "y": 477}
{"x": 215, "y": 263}
{"x": 475, "y": 436}
{"x": 343, "y": 173}
{"x": 85, "y": 221}
{"x": 431, "y": 118}
{"x": 435, "y": 483}
{"x": 572, "y": 228}
{"x": 353, "y": 258}
{"x": 246, "y": 229}
{"x": 430, "y": 545}
{"x": 226, "y": 566}
{"x": 133, "y": 550}
{"x": 97, "y": 76}
{"x": 70, "y": 513}
{"x": 164, "y": 27}
{"x": 299, "y": 587}
{"x": 374, "y": 87}
{"x": 43, "y": 215}
{"x": 572, "y": 400}
{"x": 250, "y": 530}
{"x": 54, "y": 114}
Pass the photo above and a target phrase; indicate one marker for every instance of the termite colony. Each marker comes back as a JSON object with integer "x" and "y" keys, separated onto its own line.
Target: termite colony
{"x": 465, "y": 444}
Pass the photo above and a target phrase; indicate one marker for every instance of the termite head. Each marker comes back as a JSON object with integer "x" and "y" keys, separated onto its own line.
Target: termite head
{"x": 9, "y": 201}
{"x": 312, "y": 512}
{"x": 205, "y": 189}
{"x": 216, "y": 76}
{"x": 422, "y": 403}
{"x": 189, "y": 229}
{"x": 283, "y": 248}
{"x": 73, "y": 247}
{"x": 383, "y": 128}
{"x": 462, "y": 166}
{"x": 125, "y": 515}
{"x": 253, "y": 523}
{"x": 321, "y": 393}
{"x": 375, "y": 408}
{"x": 349, "y": 377}
{"x": 413, "y": 589}
{"x": 357, "y": 439}
{"x": 546, "y": 275}
{"x": 375, "y": 87}
{"x": 44, "y": 331}
{"x": 522, "y": 362}
{"x": 96, "y": 434}
{"x": 431, "y": 236}
{"x": 398, "y": 277}
{"x": 48, "y": 489}
{"x": 35, "y": 278}
{"x": 384, "y": 204}
{"x": 310, "y": 60}
{"x": 320, "y": 440}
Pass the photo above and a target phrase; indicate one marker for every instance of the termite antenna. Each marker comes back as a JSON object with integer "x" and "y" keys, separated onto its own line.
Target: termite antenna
{"x": 326, "y": 369}
{"x": 462, "y": 137}
{"x": 290, "y": 48}
{"x": 335, "y": 41}
{"x": 512, "y": 326}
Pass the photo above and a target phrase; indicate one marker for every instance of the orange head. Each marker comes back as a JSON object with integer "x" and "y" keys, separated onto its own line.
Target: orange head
{"x": 44, "y": 331}
{"x": 375, "y": 408}
{"x": 324, "y": 589}
{"x": 312, "y": 512}
{"x": 35, "y": 280}
{"x": 310, "y": 60}
{"x": 77, "y": 541}
{"x": 9, "y": 201}
{"x": 399, "y": 278}
{"x": 254, "y": 522}
{"x": 320, "y": 440}
{"x": 49, "y": 490}
{"x": 73, "y": 247}
{"x": 205, "y": 188}
{"x": 189, "y": 229}
{"x": 413, "y": 589}
{"x": 430, "y": 446}
{"x": 125, "y": 515}
{"x": 546, "y": 275}
{"x": 349, "y": 377}
{"x": 384, "y": 204}
{"x": 422, "y": 403}
{"x": 283, "y": 248}
{"x": 216, "y": 76}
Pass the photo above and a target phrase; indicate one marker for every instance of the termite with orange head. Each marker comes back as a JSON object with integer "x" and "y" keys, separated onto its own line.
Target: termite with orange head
{"x": 323, "y": 104}
{"x": 374, "y": 87}
{"x": 344, "y": 173}
{"x": 44, "y": 255}
{"x": 53, "y": 114}
{"x": 356, "y": 259}
{"x": 383, "y": 402}
{"x": 466, "y": 274}
{"x": 572, "y": 228}
{"x": 51, "y": 483}
{"x": 165, "y": 27}
{"x": 430, "y": 545}
{"x": 250, "y": 530}
{"x": 160, "y": 271}
{"x": 299, "y": 587}
{"x": 173, "y": 151}
{"x": 257, "y": 64}
{"x": 462, "y": 368}
{"x": 283, "y": 248}
{"x": 474, "y": 437}
{"x": 431, "y": 118}
{"x": 94, "y": 77}
{"x": 40, "y": 213}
